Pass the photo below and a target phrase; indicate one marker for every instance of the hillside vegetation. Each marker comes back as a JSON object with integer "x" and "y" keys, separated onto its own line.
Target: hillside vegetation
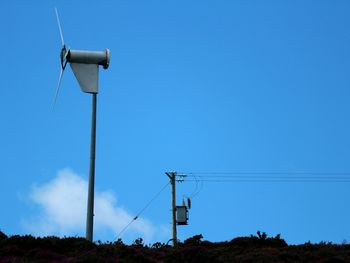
{"x": 259, "y": 248}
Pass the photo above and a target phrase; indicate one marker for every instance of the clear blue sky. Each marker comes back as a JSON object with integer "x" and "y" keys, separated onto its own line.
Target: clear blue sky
{"x": 194, "y": 86}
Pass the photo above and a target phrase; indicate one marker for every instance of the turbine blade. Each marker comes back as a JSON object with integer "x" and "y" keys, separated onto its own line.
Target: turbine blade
{"x": 59, "y": 26}
{"x": 57, "y": 89}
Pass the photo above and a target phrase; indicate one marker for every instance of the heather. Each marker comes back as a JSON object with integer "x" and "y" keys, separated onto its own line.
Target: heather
{"x": 254, "y": 248}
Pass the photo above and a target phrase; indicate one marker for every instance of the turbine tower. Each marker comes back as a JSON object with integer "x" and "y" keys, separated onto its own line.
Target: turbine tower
{"x": 85, "y": 65}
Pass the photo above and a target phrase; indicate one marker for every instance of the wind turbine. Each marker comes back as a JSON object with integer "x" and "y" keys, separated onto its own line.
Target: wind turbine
{"x": 85, "y": 65}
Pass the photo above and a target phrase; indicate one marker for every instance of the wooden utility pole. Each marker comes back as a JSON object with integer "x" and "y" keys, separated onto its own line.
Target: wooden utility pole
{"x": 172, "y": 176}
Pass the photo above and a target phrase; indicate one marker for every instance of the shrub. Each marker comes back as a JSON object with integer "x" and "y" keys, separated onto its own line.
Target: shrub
{"x": 195, "y": 240}
{"x": 138, "y": 242}
{"x": 157, "y": 245}
{"x": 261, "y": 240}
{"x": 118, "y": 242}
{"x": 3, "y": 236}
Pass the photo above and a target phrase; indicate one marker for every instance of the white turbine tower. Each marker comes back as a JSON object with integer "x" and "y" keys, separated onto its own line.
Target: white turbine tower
{"x": 85, "y": 65}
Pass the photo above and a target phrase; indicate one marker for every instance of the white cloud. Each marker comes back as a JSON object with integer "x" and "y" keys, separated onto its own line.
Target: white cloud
{"x": 62, "y": 202}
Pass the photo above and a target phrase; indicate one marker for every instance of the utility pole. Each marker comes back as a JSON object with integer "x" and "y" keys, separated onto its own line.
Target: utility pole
{"x": 172, "y": 176}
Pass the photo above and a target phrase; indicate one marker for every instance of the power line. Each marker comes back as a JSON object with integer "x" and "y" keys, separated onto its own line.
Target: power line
{"x": 198, "y": 188}
{"x": 268, "y": 176}
{"x": 141, "y": 211}
{"x": 201, "y": 174}
{"x": 273, "y": 180}
{"x": 271, "y": 177}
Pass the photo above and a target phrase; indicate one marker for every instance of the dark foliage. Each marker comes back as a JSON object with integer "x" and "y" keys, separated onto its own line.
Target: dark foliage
{"x": 2, "y": 236}
{"x": 259, "y": 248}
{"x": 261, "y": 240}
{"x": 195, "y": 240}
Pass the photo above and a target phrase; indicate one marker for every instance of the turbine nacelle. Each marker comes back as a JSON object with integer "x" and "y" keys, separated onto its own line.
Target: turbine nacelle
{"x": 84, "y": 64}
{"x": 89, "y": 57}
